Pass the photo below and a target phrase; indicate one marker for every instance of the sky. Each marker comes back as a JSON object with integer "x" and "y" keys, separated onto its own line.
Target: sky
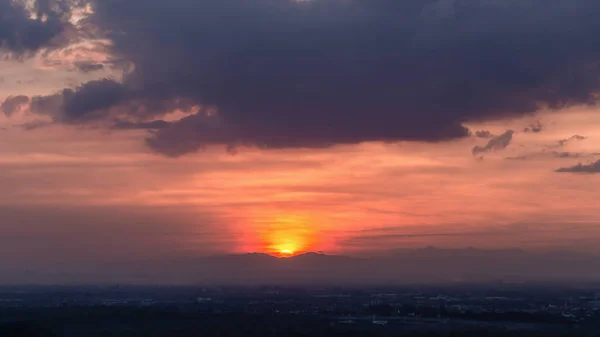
{"x": 149, "y": 129}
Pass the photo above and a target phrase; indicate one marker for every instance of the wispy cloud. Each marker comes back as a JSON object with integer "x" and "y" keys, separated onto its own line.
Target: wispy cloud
{"x": 499, "y": 142}
{"x": 565, "y": 141}
{"x": 582, "y": 168}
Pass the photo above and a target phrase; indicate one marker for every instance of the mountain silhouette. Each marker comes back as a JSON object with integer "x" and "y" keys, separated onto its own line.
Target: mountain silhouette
{"x": 429, "y": 265}
{"x": 408, "y": 266}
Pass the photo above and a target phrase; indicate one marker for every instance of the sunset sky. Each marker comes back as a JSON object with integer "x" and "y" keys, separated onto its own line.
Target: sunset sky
{"x": 145, "y": 129}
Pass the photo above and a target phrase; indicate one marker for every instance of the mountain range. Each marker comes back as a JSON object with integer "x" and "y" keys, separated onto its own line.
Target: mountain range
{"x": 423, "y": 266}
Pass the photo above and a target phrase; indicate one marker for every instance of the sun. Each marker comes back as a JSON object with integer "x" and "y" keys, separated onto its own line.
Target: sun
{"x": 286, "y": 252}
{"x": 286, "y": 235}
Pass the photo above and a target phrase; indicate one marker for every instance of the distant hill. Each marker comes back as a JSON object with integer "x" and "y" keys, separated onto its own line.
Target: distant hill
{"x": 428, "y": 265}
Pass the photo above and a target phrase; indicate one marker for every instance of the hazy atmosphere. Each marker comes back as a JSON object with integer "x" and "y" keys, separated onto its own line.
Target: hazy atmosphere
{"x": 142, "y": 132}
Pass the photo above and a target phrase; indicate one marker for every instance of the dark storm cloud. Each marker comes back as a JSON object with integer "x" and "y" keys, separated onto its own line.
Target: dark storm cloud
{"x": 91, "y": 97}
{"x": 582, "y": 168}
{"x": 20, "y": 33}
{"x": 285, "y": 73}
{"x": 13, "y": 104}
{"x": 103, "y": 99}
{"x": 80, "y": 104}
{"x": 499, "y": 142}
{"x": 190, "y": 134}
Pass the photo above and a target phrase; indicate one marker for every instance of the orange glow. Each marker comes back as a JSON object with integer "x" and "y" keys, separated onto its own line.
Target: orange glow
{"x": 288, "y": 235}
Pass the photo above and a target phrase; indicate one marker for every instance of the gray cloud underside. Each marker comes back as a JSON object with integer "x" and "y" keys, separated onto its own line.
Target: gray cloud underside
{"x": 317, "y": 73}
{"x": 582, "y": 168}
{"x": 13, "y": 104}
{"x": 151, "y": 125}
{"x": 35, "y": 124}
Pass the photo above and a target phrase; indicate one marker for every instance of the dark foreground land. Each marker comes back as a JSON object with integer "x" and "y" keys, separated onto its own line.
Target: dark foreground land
{"x": 273, "y": 311}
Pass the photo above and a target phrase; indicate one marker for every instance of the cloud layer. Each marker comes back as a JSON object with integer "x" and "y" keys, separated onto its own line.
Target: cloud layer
{"x": 283, "y": 73}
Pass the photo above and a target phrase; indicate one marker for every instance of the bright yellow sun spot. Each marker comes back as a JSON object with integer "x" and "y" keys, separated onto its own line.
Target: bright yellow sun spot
{"x": 286, "y": 252}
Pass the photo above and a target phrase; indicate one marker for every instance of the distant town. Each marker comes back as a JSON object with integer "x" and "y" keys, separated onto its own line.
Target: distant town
{"x": 389, "y": 310}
